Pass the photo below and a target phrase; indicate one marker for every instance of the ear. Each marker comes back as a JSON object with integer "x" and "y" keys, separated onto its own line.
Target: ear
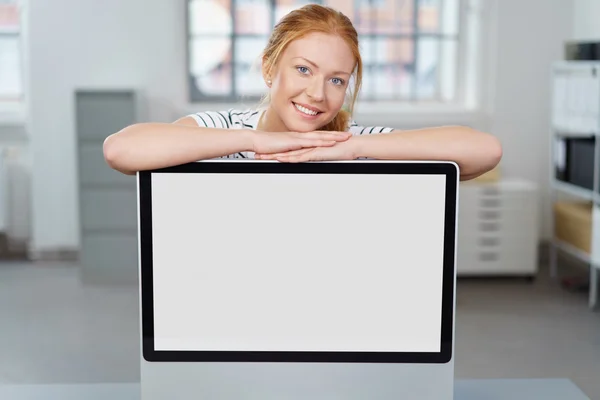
{"x": 266, "y": 73}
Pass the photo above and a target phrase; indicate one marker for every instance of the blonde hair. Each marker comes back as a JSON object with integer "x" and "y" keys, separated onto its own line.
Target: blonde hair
{"x": 314, "y": 18}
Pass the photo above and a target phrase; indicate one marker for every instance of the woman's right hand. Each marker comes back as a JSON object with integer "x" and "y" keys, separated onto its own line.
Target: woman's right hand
{"x": 276, "y": 142}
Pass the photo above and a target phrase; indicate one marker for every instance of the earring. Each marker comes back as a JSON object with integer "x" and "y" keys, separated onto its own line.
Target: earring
{"x": 269, "y": 82}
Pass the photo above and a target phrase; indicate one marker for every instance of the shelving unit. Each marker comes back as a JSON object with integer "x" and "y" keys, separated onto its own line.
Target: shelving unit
{"x": 575, "y": 158}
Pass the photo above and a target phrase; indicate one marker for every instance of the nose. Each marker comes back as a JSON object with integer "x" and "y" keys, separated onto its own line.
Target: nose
{"x": 316, "y": 89}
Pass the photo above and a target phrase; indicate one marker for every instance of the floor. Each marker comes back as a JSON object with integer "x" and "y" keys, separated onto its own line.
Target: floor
{"x": 56, "y": 330}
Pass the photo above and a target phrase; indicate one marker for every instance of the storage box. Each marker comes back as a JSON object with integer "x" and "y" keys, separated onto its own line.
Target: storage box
{"x": 573, "y": 223}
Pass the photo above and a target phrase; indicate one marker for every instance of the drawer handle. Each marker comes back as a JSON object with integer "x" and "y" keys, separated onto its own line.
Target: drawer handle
{"x": 489, "y": 242}
{"x": 488, "y": 256}
{"x": 489, "y": 214}
{"x": 492, "y": 203}
{"x": 489, "y": 226}
{"x": 490, "y": 191}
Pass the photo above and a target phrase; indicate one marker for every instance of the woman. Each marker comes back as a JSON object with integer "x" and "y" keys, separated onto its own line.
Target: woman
{"x": 307, "y": 65}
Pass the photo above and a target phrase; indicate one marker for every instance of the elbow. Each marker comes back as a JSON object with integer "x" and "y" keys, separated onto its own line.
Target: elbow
{"x": 492, "y": 148}
{"x": 485, "y": 146}
{"x": 113, "y": 150}
{"x": 485, "y": 154}
{"x": 496, "y": 151}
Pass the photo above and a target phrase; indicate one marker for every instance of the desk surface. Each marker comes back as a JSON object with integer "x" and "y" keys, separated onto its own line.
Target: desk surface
{"x": 475, "y": 389}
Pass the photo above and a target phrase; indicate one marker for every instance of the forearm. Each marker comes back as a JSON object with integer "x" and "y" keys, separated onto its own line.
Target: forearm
{"x": 157, "y": 145}
{"x": 475, "y": 152}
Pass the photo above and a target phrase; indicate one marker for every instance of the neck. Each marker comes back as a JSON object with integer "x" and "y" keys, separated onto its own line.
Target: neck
{"x": 270, "y": 122}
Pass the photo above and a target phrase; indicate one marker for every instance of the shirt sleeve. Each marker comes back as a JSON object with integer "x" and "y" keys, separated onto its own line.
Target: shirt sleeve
{"x": 213, "y": 119}
{"x": 356, "y": 129}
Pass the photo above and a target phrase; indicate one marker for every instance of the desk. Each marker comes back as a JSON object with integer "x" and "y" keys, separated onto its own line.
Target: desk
{"x": 476, "y": 389}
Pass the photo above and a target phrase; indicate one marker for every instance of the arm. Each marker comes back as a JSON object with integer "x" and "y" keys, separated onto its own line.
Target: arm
{"x": 156, "y": 145}
{"x": 147, "y": 146}
{"x": 475, "y": 152}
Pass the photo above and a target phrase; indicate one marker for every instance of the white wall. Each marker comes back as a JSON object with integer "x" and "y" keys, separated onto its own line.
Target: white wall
{"x": 531, "y": 35}
{"x": 91, "y": 44}
{"x": 141, "y": 43}
{"x": 586, "y": 20}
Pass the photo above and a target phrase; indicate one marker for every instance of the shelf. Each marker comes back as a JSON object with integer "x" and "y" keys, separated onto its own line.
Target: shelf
{"x": 561, "y": 133}
{"x": 575, "y": 149}
{"x": 572, "y": 250}
{"x": 574, "y": 190}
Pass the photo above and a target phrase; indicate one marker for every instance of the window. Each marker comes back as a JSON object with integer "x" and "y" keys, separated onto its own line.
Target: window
{"x": 10, "y": 52}
{"x": 409, "y": 47}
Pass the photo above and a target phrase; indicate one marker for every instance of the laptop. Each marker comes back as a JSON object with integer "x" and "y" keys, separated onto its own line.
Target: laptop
{"x": 320, "y": 280}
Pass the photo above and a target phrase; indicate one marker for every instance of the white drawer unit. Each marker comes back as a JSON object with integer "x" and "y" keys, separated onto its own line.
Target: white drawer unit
{"x": 498, "y": 232}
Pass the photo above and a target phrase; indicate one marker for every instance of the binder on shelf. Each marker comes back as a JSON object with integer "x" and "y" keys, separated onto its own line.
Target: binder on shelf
{"x": 576, "y": 99}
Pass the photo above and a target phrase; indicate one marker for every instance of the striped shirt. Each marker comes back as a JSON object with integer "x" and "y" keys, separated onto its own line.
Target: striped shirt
{"x": 248, "y": 119}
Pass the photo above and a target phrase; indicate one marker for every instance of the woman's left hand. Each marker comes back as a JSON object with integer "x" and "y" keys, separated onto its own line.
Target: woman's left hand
{"x": 339, "y": 151}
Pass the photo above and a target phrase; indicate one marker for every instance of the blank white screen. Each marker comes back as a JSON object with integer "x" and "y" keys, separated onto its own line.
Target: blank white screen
{"x": 286, "y": 262}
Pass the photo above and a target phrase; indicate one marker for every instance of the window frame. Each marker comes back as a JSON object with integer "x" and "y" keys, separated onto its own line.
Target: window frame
{"x": 469, "y": 56}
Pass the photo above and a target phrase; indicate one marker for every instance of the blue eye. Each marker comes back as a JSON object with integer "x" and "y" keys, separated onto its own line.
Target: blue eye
{"x": 340, "y": 81}
{"x": 302, "y": 70}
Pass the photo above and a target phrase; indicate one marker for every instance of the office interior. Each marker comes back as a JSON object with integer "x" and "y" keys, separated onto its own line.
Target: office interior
{"x": 525, "y": 71}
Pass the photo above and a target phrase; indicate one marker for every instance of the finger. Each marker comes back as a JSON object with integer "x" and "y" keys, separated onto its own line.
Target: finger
{"x": 284, "y": 154}
{"x": 324, "y": 135}
{"x": 304, "y": 142}
{"x": 337, "y": 134}
{"x": 295, "y": 158}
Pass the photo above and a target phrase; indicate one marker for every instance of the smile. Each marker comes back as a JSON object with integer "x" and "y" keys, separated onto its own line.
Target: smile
{"x": 306, "y": 111}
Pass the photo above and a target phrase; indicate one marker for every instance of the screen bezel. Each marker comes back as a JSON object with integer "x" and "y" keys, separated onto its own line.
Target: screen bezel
{"x": 241, "y": 166}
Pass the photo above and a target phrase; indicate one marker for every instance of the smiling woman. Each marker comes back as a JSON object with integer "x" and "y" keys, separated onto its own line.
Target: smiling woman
{"x": 312, "y": 68}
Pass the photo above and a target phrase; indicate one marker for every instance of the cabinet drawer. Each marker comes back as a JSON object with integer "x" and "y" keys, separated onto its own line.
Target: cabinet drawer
{"x": 108, "y": 209}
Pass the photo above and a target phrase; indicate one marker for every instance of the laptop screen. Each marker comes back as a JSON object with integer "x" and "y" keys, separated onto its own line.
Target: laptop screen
{"x": 252, "y": 261}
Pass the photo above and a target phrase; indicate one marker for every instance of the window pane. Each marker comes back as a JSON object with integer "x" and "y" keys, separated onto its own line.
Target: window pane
{"x": 9, "y": 18}
{"x": 10, "y": 68}
{"x": 210, "y": 65}
{"x": 394, "y": 16}
{"x": 384, "y": 16}
{"x": 214, "y": 83}
{"x": 253, "y": 16}
{"x": 388, "y": 63}
{"x": 248, "y": 76}
{"x": 283, "y": 7}
{"x": 439, "y": 16}
{"x": 346, "y": 7}
{"x": 210, "y": 17}
{"x": 429, "y": 16}
{"x": 363, "y": 17}
{"x": 427, "y": 81}
{"x": 208, "y": 53}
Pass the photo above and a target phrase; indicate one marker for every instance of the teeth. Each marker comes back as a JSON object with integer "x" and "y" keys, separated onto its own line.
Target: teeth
{"x": 305, "y": 110}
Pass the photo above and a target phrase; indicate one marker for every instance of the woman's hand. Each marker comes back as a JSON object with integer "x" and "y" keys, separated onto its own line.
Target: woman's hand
{"x": 282, "y": 142}
{"x": 339, "y": 151}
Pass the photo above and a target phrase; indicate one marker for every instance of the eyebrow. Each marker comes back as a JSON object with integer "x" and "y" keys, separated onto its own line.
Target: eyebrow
{"x": 316, "y": 66}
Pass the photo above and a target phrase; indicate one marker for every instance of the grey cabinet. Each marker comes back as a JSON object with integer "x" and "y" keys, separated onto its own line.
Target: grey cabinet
{"x": 107, "y": 198}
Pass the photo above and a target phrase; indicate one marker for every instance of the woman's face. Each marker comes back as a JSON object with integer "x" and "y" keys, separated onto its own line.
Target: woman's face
{"x": 310, "y": 82}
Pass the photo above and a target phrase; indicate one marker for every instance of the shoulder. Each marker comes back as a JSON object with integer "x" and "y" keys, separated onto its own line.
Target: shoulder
{"x": 227, "y": 119}
{"x": 357, "y": 129}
